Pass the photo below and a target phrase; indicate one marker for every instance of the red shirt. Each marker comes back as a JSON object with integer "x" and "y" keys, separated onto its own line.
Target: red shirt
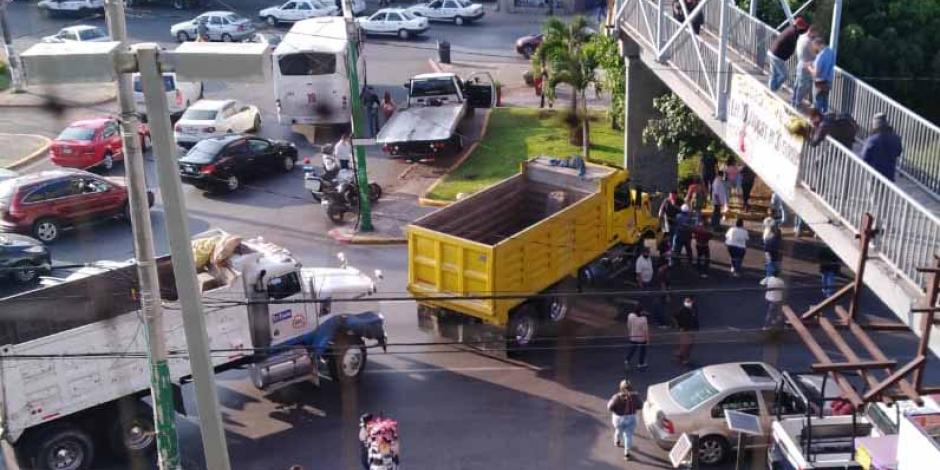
{"x": 701, "y": 235}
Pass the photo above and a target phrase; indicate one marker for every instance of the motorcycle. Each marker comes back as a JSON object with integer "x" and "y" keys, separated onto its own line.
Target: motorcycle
{"x": 336, "y": 189}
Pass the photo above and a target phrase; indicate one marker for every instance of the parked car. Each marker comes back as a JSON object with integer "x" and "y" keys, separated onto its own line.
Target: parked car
{"x": 93, "y": 143}
{"x": 7, "y": 174}
{"x": 211, "y": 118}
{"x": 222, "y": 163}
{"x": 179, "y": 94}
{"x": 82, "y": 8}
{"x": 22, "y": 259}
{"x": 395, "y": 22}
{"x": 695, "y": 402}
{"x": 296, "y": 10}
{"x": 224, "y": 26}
{"x": 43, "y": 204}
{"x": 80, "y": 33}
{"x": 457, "y": 11}
{"x": 526, "y": 45}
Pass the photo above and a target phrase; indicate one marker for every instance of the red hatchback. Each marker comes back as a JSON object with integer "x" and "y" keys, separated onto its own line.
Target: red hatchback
{"x": 92, "y": 143}
{"x": 42, "y": 204}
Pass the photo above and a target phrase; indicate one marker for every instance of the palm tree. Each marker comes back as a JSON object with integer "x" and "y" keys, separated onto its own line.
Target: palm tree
{"x": 570, "y": 60}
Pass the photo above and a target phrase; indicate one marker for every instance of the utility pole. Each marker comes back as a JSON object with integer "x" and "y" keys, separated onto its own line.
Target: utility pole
{"x": 177, "y": 229}
{"x": 16, "y": 72}
{"x": 362, "y": 176}
{"x": 150, "y": 303}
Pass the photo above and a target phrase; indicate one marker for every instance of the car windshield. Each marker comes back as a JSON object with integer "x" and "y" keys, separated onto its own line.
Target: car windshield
{"x": 76, "y": 133}
{"x": 199, "y": 115}
{"x": 691, "y": 389}
{"x": 463, "y": 3}
{"x": 233, "y": 18}
{"x": 433, "y": 87}
{"x": 406, "y": 15}
{"x": 89, "y": 34}
{"x": 168, "y": 83}
{"x": 203, "y": 152}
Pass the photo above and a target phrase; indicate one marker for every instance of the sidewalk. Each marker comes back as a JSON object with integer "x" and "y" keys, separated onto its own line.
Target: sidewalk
{"x": 84, "y": 94}
{"x": 20, "y": 150}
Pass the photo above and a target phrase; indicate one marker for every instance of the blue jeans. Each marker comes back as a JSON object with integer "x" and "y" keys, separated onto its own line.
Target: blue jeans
{"x": 778, "y": 72}
{"x": 372, "y": 116}
{"x": 624, "y": 427}
{"x": 632, "y": 349}
{"x": 828, "y": 283}
{"x": 770, "y": 266}
{"x": 801, "y": 88}
{"x": 821, "y": 100}
{"x": 737, "y": 257}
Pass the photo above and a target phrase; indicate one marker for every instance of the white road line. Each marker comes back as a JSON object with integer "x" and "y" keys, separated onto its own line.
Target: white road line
{"x": 456, "y": 369}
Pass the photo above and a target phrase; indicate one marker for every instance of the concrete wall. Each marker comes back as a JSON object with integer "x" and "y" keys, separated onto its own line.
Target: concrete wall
{"x": 650, "y": 167}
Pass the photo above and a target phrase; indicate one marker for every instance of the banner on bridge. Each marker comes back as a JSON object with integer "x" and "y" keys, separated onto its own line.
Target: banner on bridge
{"x": 757, "y": 130}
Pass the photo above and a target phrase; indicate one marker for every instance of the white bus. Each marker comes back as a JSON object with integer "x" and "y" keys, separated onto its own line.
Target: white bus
{"x": 310, "y": 84}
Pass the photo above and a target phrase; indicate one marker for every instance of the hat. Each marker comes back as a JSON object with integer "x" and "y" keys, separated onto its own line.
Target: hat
{"x": 800, "y": 23}
{"x": 879, "y": 120}
{"x": 685, "y": 208}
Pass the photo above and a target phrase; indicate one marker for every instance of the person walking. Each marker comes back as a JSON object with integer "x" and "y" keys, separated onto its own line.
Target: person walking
{"x": 702, "y": 236}
{"x": 883, "y": 147}
{"x": 687, "y": 322}
{"x": 202, "y": 30}
{"x": 623, "y": 407}
{"x": 682, "y": 236}
{"x": 773, "y": 320}
{"x": 644, "y": 270}
{"x": 708, "y": 167}
{"x": 772, "y": 239}
{"x": 719, "y": 195}
{"x": 829, "y": 267}
{"x": 747, "y": 184}
{"x": 823, "y": 70}
{"x": 805, "y": 56}
{"x": 732, "y": 178}
{"x": 696, "y": 196}
{"x": 372, "y": 104}
{"x": 736, "y": 241}
{"x": 781, "y": 50}
{"x": 668, "y": 211}
{"x": 388, "y": 107}
{"x": 638, "y": 335}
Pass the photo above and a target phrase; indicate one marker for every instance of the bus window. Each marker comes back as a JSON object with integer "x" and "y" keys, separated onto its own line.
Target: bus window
{"x": 307, "y": 63}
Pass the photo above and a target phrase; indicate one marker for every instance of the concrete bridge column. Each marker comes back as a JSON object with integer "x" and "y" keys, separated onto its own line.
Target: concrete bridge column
{"x": 651, "y": 168}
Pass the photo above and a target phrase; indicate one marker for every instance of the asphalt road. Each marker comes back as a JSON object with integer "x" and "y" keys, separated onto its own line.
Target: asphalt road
{"x": 458, "y": 410}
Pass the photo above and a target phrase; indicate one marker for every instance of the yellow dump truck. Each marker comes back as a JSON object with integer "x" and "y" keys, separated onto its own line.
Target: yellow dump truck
{"x": 493, "y": 260}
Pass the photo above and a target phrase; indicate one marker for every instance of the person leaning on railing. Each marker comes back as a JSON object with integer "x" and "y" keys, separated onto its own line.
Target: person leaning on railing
{"x": 883, "y": 147}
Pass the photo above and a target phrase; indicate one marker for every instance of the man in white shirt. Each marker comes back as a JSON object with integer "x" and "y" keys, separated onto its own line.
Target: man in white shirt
{"x": 774, "y": 297}
{"x": 638, "y": 334}
{"x": 644, "y": 269}
{"x": 342, "y": 150}
{"x": 806, "y": 56}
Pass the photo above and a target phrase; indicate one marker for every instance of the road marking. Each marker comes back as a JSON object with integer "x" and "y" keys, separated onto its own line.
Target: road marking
{"x": 456, "y": 369}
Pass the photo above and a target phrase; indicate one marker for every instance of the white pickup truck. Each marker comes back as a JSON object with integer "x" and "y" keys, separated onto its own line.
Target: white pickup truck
{"x": 437, "y": 103}
{"x": 74, "y": 364}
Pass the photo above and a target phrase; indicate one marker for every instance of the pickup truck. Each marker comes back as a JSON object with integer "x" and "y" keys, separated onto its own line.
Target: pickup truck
{"x": 74, "y": 352}
{"x": 437, "y": 102}
{"x": 531, "y": 233}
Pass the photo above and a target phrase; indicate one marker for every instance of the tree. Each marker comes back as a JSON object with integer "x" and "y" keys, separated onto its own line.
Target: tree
{"x": 681, "y": 128}
{"x": 615, "y": 76}
{"x": 565, "y": 53}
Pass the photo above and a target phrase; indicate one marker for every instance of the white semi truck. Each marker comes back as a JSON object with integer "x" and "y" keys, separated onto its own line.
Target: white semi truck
{"x": 73, "y": 367}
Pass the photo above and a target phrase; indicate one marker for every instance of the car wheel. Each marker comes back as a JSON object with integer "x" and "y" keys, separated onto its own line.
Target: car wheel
{"x": 46, "y": 230}
{"x": 182, "y": 36}
{"x": 527, "y": 51}
{"x": 226, "y": 37}
{"x": 288, "y": 164}
{"x": 271, "y": 21}
{"x": 25, "y": 273}
{"x": 107, "y": 162}
{"x": 458, "y": 21}
{"x": 232, "y": 183}
{"x": 403, "y": 33}
{"x": 712, "y": 450}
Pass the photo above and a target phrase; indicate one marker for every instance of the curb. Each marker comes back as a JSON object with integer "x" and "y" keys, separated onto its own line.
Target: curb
{"x": 34, "y": 156}
{"x": 341, "y": 236}
{"x": 435, "y": 65}
{"x": 426, "y": 201}
{"x": 81, "y": 104}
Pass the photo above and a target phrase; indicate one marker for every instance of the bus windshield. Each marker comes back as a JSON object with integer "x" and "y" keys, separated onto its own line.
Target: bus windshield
{"x": 307, "y": 63}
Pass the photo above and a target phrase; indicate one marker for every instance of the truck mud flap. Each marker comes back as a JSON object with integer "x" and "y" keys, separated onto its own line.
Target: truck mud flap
{"x": 471, "y": 336}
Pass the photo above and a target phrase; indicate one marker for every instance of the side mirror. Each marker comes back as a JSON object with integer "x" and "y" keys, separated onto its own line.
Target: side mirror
{"x": 407, "y": 85}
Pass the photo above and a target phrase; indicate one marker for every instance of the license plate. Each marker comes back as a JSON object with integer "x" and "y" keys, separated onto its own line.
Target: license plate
{"x": 312, "y": 185}
{"x": 66, "y": 151}
{"x": 189, "y": 169}
{"x": 190, "y": 130}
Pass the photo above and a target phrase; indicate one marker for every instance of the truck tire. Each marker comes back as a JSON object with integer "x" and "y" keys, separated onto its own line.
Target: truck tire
{"x": 522, "y": 327}
{"x": 347, "y": 358}
{"x": 62, "y": 447}
{"x": 133, "y": 433}
{"x": 557, "y": 307}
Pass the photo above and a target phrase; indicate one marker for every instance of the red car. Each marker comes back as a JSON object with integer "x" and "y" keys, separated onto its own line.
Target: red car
{"x": 92, "y": 143}
{"x": 43, "y": 204}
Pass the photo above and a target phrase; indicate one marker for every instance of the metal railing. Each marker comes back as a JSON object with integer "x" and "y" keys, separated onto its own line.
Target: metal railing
{"x": 837, "y": 177}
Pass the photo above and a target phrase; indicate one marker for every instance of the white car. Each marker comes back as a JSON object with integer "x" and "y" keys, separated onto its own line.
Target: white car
{"x": 80, "y": 33}
{"x": 211, "y": 118}
{"x": 458, "y": 11}
{"x": 395, "y": 22}
{"x": 179, "y": 94}
{"x": 296, "y": 10}
{"x": 220, "y": 26}
{"x": 695, "y": 403}
{"x": 63, "y": 7}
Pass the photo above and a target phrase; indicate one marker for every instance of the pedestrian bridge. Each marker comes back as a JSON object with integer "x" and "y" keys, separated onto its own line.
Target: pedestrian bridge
{"x": 829, "y": 186}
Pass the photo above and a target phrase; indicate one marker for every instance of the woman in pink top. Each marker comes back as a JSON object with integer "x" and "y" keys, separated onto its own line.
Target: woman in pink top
{"x": 733, "y": 176}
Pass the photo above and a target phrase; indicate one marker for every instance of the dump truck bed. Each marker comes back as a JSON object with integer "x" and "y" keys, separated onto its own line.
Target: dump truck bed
{"x": 521, "y": 236}
{"x": 422, "y": 124}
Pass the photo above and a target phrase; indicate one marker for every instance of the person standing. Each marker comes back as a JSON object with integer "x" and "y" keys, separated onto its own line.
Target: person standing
{"x": 772, "y": 240}
{"x": 732, "y": 178}
{"x": 781, "y": 50}
{"x": 342, "y": 150}
{"x": 644, "y": 270}
{"x": 805, "y": 56}
{"x": 747, "y": 184}
{"x": 823, "y": 70}
{"x": 690, "y": 5}
{"x": 736, "y": 241}
{"x": 702, "y": 236}
{"x": 371, "y": 102}
{"x": 774, "y": 296}
{"x": 719, "y": 199}
{"x": 388, "y": 107}
{"x": 829, "y": 266}
{"x": 696, "y": 196}
{"x": 708, "y": 167}
{"x": 682, "y": 237}
{"x": 623, "y": 407}
{"x": 668, "y": 211}
{"x": 638, "y": 334}
{"x": 687, "y": 323}
{"x": 883, "y": 147}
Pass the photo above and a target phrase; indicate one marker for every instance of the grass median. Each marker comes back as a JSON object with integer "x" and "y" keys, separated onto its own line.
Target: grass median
{"x": 518, "y": 134}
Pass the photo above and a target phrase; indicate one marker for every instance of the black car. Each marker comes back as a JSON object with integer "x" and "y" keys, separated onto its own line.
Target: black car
{"x": 22, "y": 259}
{"x": 222, "y": 163}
